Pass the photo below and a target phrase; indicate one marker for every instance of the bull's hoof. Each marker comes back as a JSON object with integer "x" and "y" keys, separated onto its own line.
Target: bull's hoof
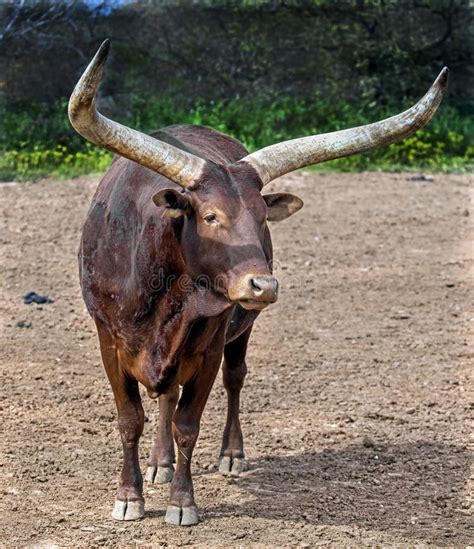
{"x": 181, "y": 516}
{"x": 232, "y": 466}
{"x": 159, "y": 475}
{"x": 128, "y": 510}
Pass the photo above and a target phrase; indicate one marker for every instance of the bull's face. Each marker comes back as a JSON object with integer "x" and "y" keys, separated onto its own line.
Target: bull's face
{"x": 224, "y": 235}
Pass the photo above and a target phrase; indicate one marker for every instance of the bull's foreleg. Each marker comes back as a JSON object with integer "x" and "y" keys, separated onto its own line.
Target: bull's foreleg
{"x": 182, "y": 509}
{"x": 234, "y": 370}
{"x": 129, "y": 503}
{"x": 161, "y": 462}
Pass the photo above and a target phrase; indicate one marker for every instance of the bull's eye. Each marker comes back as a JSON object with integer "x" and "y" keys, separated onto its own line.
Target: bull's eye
{"x": 211, "y": 218}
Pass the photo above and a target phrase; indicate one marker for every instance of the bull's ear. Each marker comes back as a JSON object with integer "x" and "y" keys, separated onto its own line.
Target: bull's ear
{"x": 174, "y": 203}
{"x": 282, "y": 205}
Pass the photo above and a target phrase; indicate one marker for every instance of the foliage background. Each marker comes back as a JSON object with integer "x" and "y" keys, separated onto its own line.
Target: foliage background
{"x": 262, "y": 71}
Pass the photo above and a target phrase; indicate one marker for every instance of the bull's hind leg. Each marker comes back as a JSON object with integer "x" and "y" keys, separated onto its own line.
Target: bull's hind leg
{"x": 129, "y": 503}
{"x": 160, "y": 464}
{"x": 234, "y": 370}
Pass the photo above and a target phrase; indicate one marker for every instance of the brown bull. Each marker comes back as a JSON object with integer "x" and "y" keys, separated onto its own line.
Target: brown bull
{"x": 175, "y": 264}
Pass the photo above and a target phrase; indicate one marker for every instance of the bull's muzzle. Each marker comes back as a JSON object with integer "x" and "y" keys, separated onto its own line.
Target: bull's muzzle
{"x": 254, "y": 291}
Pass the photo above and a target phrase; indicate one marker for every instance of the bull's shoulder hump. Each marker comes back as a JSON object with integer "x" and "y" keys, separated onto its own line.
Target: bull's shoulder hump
{"x": 207, "y": 143}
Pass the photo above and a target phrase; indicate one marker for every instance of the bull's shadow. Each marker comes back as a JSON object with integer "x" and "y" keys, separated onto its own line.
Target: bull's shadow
{"x": 415, "y": 489}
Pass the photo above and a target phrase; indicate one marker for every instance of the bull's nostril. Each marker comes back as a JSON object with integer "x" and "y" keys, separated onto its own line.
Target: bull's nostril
{"x": 264, "y": 286}
{"x": 257, "y": 287}
{"x": 255, "y": 284}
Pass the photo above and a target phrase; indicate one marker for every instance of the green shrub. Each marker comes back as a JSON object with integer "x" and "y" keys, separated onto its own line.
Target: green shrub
{"x": 59, "y": 162}
{"x": 37, "y": 140}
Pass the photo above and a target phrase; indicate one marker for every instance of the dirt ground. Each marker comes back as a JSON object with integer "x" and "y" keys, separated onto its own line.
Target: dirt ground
{"x": 355, "y": 410}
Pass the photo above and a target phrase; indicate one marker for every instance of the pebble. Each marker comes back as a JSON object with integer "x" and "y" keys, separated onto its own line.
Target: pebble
{"x": 367, "y": 442}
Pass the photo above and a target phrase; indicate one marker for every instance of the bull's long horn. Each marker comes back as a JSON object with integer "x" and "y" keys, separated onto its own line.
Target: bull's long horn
{"x": 275, "y": 160}
{"x": 181, "y": 167}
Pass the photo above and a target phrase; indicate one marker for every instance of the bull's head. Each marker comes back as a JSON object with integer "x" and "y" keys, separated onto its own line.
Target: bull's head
{"x": 225, "y": 215}
{"x": 225, "y": 238}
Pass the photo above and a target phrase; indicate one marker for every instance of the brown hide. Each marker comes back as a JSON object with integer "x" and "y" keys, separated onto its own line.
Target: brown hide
{"x": 137, "y": 267}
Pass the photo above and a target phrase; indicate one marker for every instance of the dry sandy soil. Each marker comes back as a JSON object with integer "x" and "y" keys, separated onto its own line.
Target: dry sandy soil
{"x": 355, "y": 411}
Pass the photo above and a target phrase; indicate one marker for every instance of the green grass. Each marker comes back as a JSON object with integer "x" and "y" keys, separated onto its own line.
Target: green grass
{"x": 37, "y": 140}
{"x": 23, "y": 165}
